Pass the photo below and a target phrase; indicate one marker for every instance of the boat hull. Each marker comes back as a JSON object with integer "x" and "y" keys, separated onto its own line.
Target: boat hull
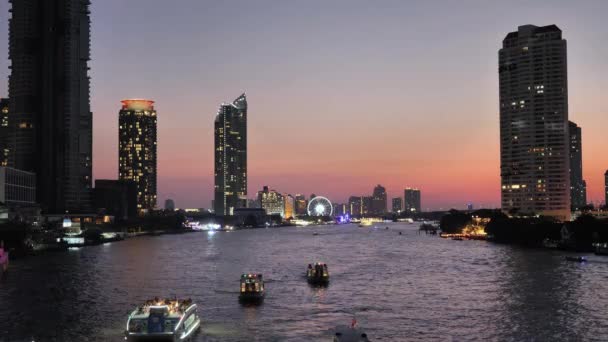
{"x": 169, "y": 337}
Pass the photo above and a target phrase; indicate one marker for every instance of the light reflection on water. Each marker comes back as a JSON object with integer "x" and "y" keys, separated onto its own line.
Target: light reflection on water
{"x": 399, "y": 287}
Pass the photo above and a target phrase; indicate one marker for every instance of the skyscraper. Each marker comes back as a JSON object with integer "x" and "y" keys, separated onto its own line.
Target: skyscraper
{"x": 272, "y": 202}
{"x": 578, "y": 191}
{"x": 50, "y": 117}
{"x": 379, "y": 200}
{"x": 231, "y": 157}
{"x": 397, "y": 204}
{"x": 355, "y": 205}
{"x": 534, "y": 154}
{"x": 4, "y": 132}
{"x": 289, "y": 206}
{"x": 606, "y": 188}
{"x": 137, "y": 149}
{"x": 411, "y": 200}
{"x": 301, "y": 205}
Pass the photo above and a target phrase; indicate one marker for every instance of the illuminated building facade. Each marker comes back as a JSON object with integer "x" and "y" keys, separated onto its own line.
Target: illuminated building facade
{"x": 411, "y": 200}
{"x": 50, "y": 118}
{"x": 534, "y": 153}
{"x": 578, "y": 187}
{"x": 272, "y": 202}
{"x": 397, "y": 204}
{"x": 230, "y": 190}
{"x": 137, "y": 149}
{"x": 355, "y": 205}
{"x": 289, "y": 207}
{"x": 4, "y": 132}
{"x": 379, "y": 200}
{"x": 300, "y": 205}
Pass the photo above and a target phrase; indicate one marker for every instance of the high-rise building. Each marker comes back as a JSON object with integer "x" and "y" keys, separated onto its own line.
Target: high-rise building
{"x": 301, "y": 205}
{"x": 397, "y": 204}
{"x": 4, "y": 132}
{"x": 137, "y": 149}
{"x": 340, "y": 209}
{"x": 606, "y": 188}
{"x": 378, "y": 206}
{"x": 272, "y": 202}
{"x": 411, "y": 200}
{"x": 289, "y": 206}
{"x": 231, "y": 157}
{"x": 116, "y": 197}
{"x": 169, "y": 204}
{"x": 578, "y": 192}
{"x": 534, "y": 154}
{"x": 366, "y": 205}
{"x": 355, "y": 205}
{"x": 50, "y": 117}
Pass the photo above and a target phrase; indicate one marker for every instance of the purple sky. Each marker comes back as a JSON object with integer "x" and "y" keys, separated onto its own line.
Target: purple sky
{"x": 342, "y": 94}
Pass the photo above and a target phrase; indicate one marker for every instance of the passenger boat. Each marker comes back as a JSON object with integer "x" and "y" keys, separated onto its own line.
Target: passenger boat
{"x": 350, "y": 334}
{"x": 163, "y": 320}
{"x": 252, "y": 288}
{"x": 577, "y": 258}
{"x": 317, "y": 273}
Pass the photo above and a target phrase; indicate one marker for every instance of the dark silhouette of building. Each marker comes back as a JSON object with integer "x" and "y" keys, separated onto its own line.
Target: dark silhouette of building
{"x": 137, "y": 149}
{"x": 578, "y": 189}
{"x": 4, "y": 132}
{"x": 50, "y": 118}
{"x": 534, "y": 154}
{"x": 169, "y": 204}
{"x": 411, "y": 200}
{"x": 378, "y": 206}
{"x": 301, "y": 205}
{"x": 231, "y": 157}
{"x": 606, "y": 188}
{"x": 116, "y": 197}
{"x": 397, "y": 204}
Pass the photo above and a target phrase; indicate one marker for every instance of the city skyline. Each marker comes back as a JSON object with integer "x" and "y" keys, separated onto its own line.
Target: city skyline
{"x": 328, "y": 116}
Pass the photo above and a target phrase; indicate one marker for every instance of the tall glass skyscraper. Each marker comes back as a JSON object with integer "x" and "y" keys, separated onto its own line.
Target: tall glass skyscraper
{"x": 137, "y": 149}
{"x": 534, "y": 153}
{"x": 411, "y": 200}
{"x": 231, "y": 157}
{"x": 578, "y": 188}
{"x": 50, "y": 117}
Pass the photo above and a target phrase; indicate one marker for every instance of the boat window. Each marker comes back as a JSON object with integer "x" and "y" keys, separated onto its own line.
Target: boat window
{"x": 189, "y": 321}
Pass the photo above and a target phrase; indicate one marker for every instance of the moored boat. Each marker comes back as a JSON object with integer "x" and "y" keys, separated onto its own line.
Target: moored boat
{"x": 252, "y": 288}
{"x": 163, "y": 320}
{"x": 317, "y": 273}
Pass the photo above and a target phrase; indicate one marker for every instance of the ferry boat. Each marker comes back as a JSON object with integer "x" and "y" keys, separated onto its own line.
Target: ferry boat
{"x": 350, "y": 334}
{"x": 601, "y": 248}
{"x": 252, "y": 288}
{"x": 163, "y": 320}
{"x": 317, "y": 273}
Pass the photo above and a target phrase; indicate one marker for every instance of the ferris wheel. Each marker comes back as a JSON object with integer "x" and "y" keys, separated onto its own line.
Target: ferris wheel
{"x": 320, "y": 206}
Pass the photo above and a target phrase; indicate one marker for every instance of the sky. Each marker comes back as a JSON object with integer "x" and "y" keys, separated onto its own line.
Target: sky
{"x": 342, "y": 95}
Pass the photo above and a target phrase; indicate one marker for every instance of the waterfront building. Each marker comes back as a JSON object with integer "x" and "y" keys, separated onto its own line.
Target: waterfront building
{"x": 397, "y": 204}
{"x": 366, "y": 205}
{"x": 411, "y": 200}
{"x": 606, "y": 188}
{"x": 301, "y": 205}
{"x": 137, "y": 149}
{"x": 272, "y": 202}
{"x": 379, "y": 198}
{"x": 4, "y": 132}
{"x": 340, "y": 209}
{"x": 250, "y": 217}
{"x": 578, "y": 191}
{"x": 116, "y": 197}
{"x": 534, "y": 154}
{"x": 230, "y": 190}
{"x": 289, "y": 207}
{"x": 17, "y": 187}
{"x": 49, "y": 118}
{"x": 169, "y": 204}
{"x": 355, "y": 205}
{"x": 253, "y": 203}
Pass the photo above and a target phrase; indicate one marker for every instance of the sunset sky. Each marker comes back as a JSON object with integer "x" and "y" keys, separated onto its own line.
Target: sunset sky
{"x": 343, "y": 95}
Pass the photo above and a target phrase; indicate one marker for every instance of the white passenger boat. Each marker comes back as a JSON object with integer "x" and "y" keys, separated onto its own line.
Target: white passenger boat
{"x": 163, "y": 320}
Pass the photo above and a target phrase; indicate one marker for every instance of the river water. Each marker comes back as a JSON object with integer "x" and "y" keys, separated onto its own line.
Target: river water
{"x": 405, "y": 287}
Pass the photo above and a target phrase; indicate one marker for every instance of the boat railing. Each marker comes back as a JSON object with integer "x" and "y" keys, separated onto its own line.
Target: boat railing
{"x": 187, "y": 313}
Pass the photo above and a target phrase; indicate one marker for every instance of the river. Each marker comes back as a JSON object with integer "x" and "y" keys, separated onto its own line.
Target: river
{"x": 407, "y": 287}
